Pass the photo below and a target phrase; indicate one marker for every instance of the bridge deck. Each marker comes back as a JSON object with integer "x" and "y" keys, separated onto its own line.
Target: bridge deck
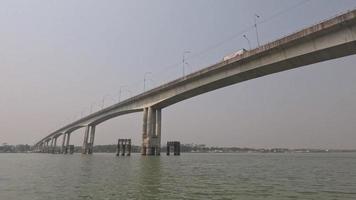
{"x": 345, "y": 21}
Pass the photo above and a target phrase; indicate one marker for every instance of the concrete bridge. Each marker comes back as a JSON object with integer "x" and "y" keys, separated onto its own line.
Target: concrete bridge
{"x": 331, "y": 39}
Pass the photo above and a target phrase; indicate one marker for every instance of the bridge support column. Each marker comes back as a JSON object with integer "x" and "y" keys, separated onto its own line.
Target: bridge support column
{"x": 123, "y": 145}
{"x": 158, "y": 131}
{"x": 129, "y": 147}
{"x": 151, "y": 144}
{"x": 50, "y": 147}
{"x": 54, "y": 145}
{"x": 67, "y": 143}
{"x": 144, "y": 131}
{"x": 46, "y": 146}
{"x": 42, "y": 147}
{"x": 63, "y": 142}
{"x": 91, "y": 140}
{"x": 176, "y": 148}
{"x": 85, "y": 142}
{"x": 149, "y": 150}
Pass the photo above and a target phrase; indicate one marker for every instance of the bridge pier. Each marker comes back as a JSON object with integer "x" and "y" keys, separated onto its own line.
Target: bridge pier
{"x": 47, "y": 146}
{"x": 63, "y": 143}
{"x": 85, "y": 142}
{"x": 50, "y": 145}
{"x": 176, "y": 148}
{"x": 123, "y": 145}
{"x": 144, "y": 131}
{"x": 151, "y": 136}
{"x": 41, "y": 147}
{"x": 54, "y": 145}
{"x": 88, "y": 143}
{"x": 67, "y": 143}
{"x": 91, "y": 140}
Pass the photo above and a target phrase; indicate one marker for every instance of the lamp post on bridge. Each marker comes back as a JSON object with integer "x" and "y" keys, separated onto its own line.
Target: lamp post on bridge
{"x": 145, "y": 79}
{"x": 255, "y": 18}
{"x": 248, "y": 41}
{"x": 184, "y": 61}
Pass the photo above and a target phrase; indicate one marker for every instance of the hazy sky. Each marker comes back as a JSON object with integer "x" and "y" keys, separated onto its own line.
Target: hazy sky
{"x": 57, "y": 58}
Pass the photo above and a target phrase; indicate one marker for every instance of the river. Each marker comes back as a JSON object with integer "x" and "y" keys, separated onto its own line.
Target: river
{"x": 189, "y": 176}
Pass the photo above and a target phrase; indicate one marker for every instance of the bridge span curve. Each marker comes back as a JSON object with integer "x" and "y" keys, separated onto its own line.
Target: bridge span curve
{"x": 331, "y": 39}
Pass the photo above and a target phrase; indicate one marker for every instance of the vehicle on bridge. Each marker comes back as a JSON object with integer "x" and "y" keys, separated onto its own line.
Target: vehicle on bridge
{"x": 233, "y": 55}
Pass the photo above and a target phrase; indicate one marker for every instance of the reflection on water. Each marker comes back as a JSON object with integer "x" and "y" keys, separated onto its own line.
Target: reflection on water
{"x": 190, "y": 176}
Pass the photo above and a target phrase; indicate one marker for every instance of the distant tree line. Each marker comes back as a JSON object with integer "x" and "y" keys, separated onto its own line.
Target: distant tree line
{"x": 187, "y": 148}
{"x": 20, "y": 148}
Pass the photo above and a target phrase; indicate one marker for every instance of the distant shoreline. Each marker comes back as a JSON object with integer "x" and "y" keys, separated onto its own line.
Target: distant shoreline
{"x": 185, "y": 148}
{"x": 163, "y": 153}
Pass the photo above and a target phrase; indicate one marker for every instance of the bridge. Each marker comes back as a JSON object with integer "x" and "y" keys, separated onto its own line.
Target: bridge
{"x": 330, "y": 39}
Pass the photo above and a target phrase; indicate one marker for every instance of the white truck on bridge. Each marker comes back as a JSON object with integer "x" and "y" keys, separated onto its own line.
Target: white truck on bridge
{"x": 232, "y": 55}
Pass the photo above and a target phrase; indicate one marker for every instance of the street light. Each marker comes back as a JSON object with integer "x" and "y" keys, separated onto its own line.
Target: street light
{"x": 184, "y": 62}
{"x": 120, "y": 91}
{"x": 255, "y": 18}
{"x": 248, "y": 41}
{"x": 144, "y": 80}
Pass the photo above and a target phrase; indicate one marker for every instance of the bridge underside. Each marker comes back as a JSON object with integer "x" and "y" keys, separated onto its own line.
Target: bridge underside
{"x": 284, "y": 65}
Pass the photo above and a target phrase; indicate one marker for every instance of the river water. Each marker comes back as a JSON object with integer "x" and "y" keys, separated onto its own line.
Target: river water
{"x": 190, "y": 176}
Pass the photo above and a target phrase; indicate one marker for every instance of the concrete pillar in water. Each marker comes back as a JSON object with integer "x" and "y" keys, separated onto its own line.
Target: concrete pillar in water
{"x": 63, "y": 142}
{"x": 150, "y": 133}
{"x": 158, "y": 131}
{"x": 123, "y": 145}
{"x": 51, "y": 147}
{"x": 151, "y": 144}
{"x": 67, "y": 143}
{"x": 48, "y": 145}
{"x": 168, "y": 150}
{"x": 42, "y": 147}
{"x": 85, "y": 142}
{"x": 129, "y": 147}
{"x": 54, "y": 145}
{"x": 118, "y": 148}
{"x": 144, "y": 131}
{"x": 176, "y": 148}
{"x": 153, "y": 123}
{"x": 91, "y": 140}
